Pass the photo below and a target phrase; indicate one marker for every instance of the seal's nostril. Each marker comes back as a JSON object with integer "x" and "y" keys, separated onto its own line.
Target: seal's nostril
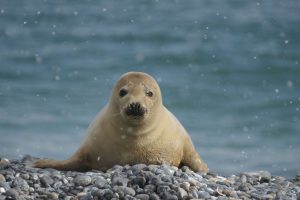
{"x": 135, "y": 109}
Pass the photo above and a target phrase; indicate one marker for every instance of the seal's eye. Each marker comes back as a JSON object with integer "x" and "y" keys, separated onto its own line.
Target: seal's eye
{"x": 123, "y": 92}
{"x": 149, "y": 93}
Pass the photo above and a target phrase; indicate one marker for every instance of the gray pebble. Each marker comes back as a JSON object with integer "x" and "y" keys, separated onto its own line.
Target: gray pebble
{"x": 121, "y": 181}
{"x": 154, "y": 196}
{"x": 137, "y": 168}
{"x": 21, "y": 184}
{"x": 2, "y": 178}
{"x": 12, "y": 193}
{"x": 182, "y": 193}
{"x": 25, "y": 176}
{"x": 82, "y": 180}
{"x": 57, "y": 184}
{"x": 193, "y": 194}
{"x": 264, "y": 176}
{"x": 122, "y": 190}
{"x": 142, "y": 196}
{"x": 107, "y": 193}
{"x": 169, "y": 196}
{"x": 139, "y": 180}
{"x": 100, "y": 182}
{"x": 46, "y": 181}
{"x": 162, "y": 188}
{"x": 52, "y": 195}
{"x": 150, "y": 188}
{"x": 166, "y": 178}
{"x": 222, "y": 198}
{"x": 185, "y": 186}
{"x": 203, "y": 195}
{"x": 5, "y": 185}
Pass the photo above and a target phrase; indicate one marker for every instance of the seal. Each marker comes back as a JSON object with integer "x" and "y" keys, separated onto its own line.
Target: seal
{"x": 134, "y": 127}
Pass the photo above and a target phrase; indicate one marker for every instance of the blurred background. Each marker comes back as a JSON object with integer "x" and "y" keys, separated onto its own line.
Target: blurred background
{"x": 229, "y": 70}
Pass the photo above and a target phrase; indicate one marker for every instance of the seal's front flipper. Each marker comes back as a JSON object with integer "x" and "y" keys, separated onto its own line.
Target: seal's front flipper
{"x": 192, "y": 159}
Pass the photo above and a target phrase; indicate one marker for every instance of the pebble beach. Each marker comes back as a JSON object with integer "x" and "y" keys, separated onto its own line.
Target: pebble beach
{"x": 18, "y": 180}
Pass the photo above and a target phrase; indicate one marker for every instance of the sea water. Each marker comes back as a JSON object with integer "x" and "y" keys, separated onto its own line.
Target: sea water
{"x": 229, "y": 71}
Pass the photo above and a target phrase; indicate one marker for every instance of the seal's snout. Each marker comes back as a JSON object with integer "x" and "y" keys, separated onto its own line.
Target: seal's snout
{"x": 136, "y": 110}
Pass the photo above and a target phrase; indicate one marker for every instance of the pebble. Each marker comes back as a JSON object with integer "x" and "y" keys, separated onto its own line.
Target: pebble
{"x": 185, "y": 186}
{"x": 139, "y": 180}
{"x": 2, "y": 178}
{"x": 12, "y": 193}
{"x": 182, "y": 193}
{"x": 144, "y": 182}
{"x": 100, "y": 182}
{"x": 123, "y": 191}
{"x": 52, "y": 195}
{"x": 82, "y": 180}
{"x": 116, "y": 180}
{"x": 142, "y": 196}
{"x": 46, "y": 181}
{"x": 203, "y": 195}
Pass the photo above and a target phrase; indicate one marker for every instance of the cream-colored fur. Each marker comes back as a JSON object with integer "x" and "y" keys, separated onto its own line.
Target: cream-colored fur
{"x": 116, "y": 138}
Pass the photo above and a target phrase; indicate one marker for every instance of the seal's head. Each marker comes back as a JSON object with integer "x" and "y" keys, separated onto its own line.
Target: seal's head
{"x": 136, "y": 96}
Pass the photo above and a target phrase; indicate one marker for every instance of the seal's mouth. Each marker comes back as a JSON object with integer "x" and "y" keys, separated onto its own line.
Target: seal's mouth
{"x": 135, "y": 110}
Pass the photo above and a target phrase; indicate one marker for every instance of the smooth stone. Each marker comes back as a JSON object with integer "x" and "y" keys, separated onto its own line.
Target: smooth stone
{"x": 243, "y": 178}
{"x": 230, "y": 193}
{"x": 2, "y": 190}
{"x": 142, "y": 196}
{"x": 2, "y": 178}
{"x": 100, "y": 182}
{"x": 46, "y": 181}
{"x": 25, "y": 176}
{"x": 52, "y": 195}
{"x": 21, "y": 183}
{"x": 57, "y": 184}
{"x": 185, "y": 186}
{"x": 107, "y": 193}
{"x": 193, "y": 193}
{"x": 265, "y": 176}
{"x": 150, "y": 188}
{"x": 182, "y": 193}
{"x": 169, "y": 196}
{"x": 244, "y": 187}
{"x": 3, "y": 163}
{"x": 155, "y": 181}
{"x": 222, "y": 198}
{"x": 166, "y": 179}
{"x": 12, "y": 192}
{"x": 123, "y": 190}
{"x": 120, "y": 181}
{"x": 203, "y": 195}
{"x": 162, "y": 188}
{"x": 154, "y": 196}
{"x": 82, "y": 180}
{"x": 81, "y": 194}
{"x": 139, "y": 180}
{"x": 167, "y": 169}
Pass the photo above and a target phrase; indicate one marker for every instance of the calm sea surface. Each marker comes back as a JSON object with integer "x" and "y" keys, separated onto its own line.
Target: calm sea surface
{"x": 229, "y": 70}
